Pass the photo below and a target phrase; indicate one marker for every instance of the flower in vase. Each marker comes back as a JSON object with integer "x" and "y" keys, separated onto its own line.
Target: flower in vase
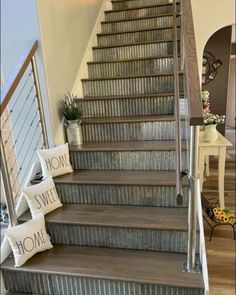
{"x": 206, "y": 109}
{"x": 209, "y": 118}
{"x": 205, "y": 99}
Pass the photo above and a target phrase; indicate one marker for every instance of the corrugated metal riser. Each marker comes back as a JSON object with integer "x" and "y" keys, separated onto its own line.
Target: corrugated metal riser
{"x": 129, "y": 86}
{"x": 126, "y": 160}
{"x": 130, "y": 25}
{"x": 134, "y": 51}
{"x": 128, "y": 107}
{"x": 131, "y": 68}
{"x": 139, "y": 195}
{"x": 114, "y": 237}
{"x": 137, "y": 3}
{"x": 131, "y": 131}
{"x": 136, "y": 37}
{"x": 140, "y": 12}
{"x": 54, "y": 284}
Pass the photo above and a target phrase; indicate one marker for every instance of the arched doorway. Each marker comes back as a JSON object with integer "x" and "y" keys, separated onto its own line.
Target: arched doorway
{"x": 216, "y": 71}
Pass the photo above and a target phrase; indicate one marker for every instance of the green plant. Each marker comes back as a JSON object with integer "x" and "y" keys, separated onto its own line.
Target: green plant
{"x": 69, "y": 107}
{"x": 205, "y": 99}
{"x": 210, "y": 118}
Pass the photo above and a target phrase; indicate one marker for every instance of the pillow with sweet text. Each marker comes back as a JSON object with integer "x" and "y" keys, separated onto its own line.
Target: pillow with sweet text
{"x": 42, "y": 197}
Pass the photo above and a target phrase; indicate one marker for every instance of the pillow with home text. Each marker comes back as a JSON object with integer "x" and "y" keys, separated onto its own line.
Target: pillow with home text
{"x": 42, "y": 197}
{"x": 27, "y": 239}
{"x": 55, "y": 161}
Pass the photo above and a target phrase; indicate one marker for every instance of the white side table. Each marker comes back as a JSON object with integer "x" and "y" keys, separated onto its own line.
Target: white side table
{"x": 217, "y": 148}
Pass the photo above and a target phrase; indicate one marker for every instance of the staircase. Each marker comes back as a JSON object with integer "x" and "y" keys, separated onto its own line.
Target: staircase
{"x": 120, "y": 230}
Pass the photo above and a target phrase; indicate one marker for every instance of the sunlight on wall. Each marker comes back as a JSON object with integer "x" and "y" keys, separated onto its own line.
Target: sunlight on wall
{"x": 65, "y": 27}
{"x": 209, "y": 16}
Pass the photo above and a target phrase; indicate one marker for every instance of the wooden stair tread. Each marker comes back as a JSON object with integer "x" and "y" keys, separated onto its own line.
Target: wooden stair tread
{"x": 129, "y": 77}
{"x": 136, "y": 18}
{"x": 136, "y": 31}
{"x": 136, "y": 217}
{"x": 160, "y": 118}
{"x": 137, "y": 8}
{"x": 126, "y": 96}
{"x": 132, "y": 44}
{"x": 116, "y": 177}
{"x": 114, "y": 264}
{"x": 129, "y": 60}
{"x": 162, "y": 145}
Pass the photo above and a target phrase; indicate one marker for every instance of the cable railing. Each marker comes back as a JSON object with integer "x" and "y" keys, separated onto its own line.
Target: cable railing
{"x": 23, "y": 128}
{"x": 193, "y": 119}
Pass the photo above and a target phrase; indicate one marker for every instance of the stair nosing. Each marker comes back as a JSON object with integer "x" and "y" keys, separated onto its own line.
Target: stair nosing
{"x": 138, "y": 96}
{"x": 132, "y": 44}
{"x": 130, "y": 77}
{"x": 119, "y": 178}
{"x": 137, "y": 8}
{"x": 136, "y": 18}
{"x": 126, "y": 146}
{"x": 135, "y": 31}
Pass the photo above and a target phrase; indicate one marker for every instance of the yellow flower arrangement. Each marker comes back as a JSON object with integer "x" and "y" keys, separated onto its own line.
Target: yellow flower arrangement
{"x": 223, "y": 215}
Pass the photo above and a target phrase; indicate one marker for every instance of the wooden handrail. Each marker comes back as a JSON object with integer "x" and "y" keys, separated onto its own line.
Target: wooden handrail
{"x": 14, "y": 79}
{"x": 192, "y": 74}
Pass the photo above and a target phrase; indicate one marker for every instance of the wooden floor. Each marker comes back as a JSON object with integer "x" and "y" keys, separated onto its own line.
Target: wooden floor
{"x": 221, "y": 250}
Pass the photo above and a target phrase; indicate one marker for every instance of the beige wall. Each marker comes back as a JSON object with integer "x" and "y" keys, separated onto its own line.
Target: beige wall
{"x": 65, "y": 26}
{"x": 209, "y": 16}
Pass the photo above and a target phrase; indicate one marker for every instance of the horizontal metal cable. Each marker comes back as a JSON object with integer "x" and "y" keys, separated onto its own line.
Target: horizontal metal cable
{"x": 34, "y": 150}
{"x": 21, "y": 129}
{"x": 30, "y": 162}
{"x": 10, "y": 135}
{"x": 23, "y": 105}
{"x": 15, "y": 162}
{"x": 17, "y": 99}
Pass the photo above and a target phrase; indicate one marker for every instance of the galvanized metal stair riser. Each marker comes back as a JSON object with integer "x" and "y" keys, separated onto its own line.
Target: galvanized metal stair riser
{"x": 120, "y": 212}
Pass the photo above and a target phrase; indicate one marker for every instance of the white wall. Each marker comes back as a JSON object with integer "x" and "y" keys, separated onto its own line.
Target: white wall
{"x": 209, "y": 16}
{"x": 66, "y": 27}
{"x": 16, "y": 30}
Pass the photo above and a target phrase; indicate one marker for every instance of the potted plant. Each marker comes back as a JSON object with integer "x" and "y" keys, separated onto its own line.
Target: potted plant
{"x": 210, "y": 122}
{"x": 72, "y": 113}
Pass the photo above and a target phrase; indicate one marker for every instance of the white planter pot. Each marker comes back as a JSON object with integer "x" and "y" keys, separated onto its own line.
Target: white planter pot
{"x": 210, "y": 133}
{"x": 74, "y": 132}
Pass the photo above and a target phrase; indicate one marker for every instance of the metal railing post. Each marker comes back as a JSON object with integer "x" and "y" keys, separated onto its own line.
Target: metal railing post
{"x": 177, "y": 110}
{"x": 40, "y": 102}
{"x": 191, "y": 265}
{"x": 8, "y": 188}
{"x": 182, "y": 53}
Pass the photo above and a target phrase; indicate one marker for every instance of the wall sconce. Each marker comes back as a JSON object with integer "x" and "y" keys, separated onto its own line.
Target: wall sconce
{"x": 217, "y": 64}
{"x": 212, "y": 75}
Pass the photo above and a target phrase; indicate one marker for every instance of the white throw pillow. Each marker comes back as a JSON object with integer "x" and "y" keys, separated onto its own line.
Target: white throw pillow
{"x": 42, "y": 197}
{"x": 55, "y": 161}
{"x": 27, "y": 239}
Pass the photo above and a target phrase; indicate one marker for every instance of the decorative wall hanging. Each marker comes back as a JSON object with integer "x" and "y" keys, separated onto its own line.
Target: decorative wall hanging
{"x": 210, "y": 66}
